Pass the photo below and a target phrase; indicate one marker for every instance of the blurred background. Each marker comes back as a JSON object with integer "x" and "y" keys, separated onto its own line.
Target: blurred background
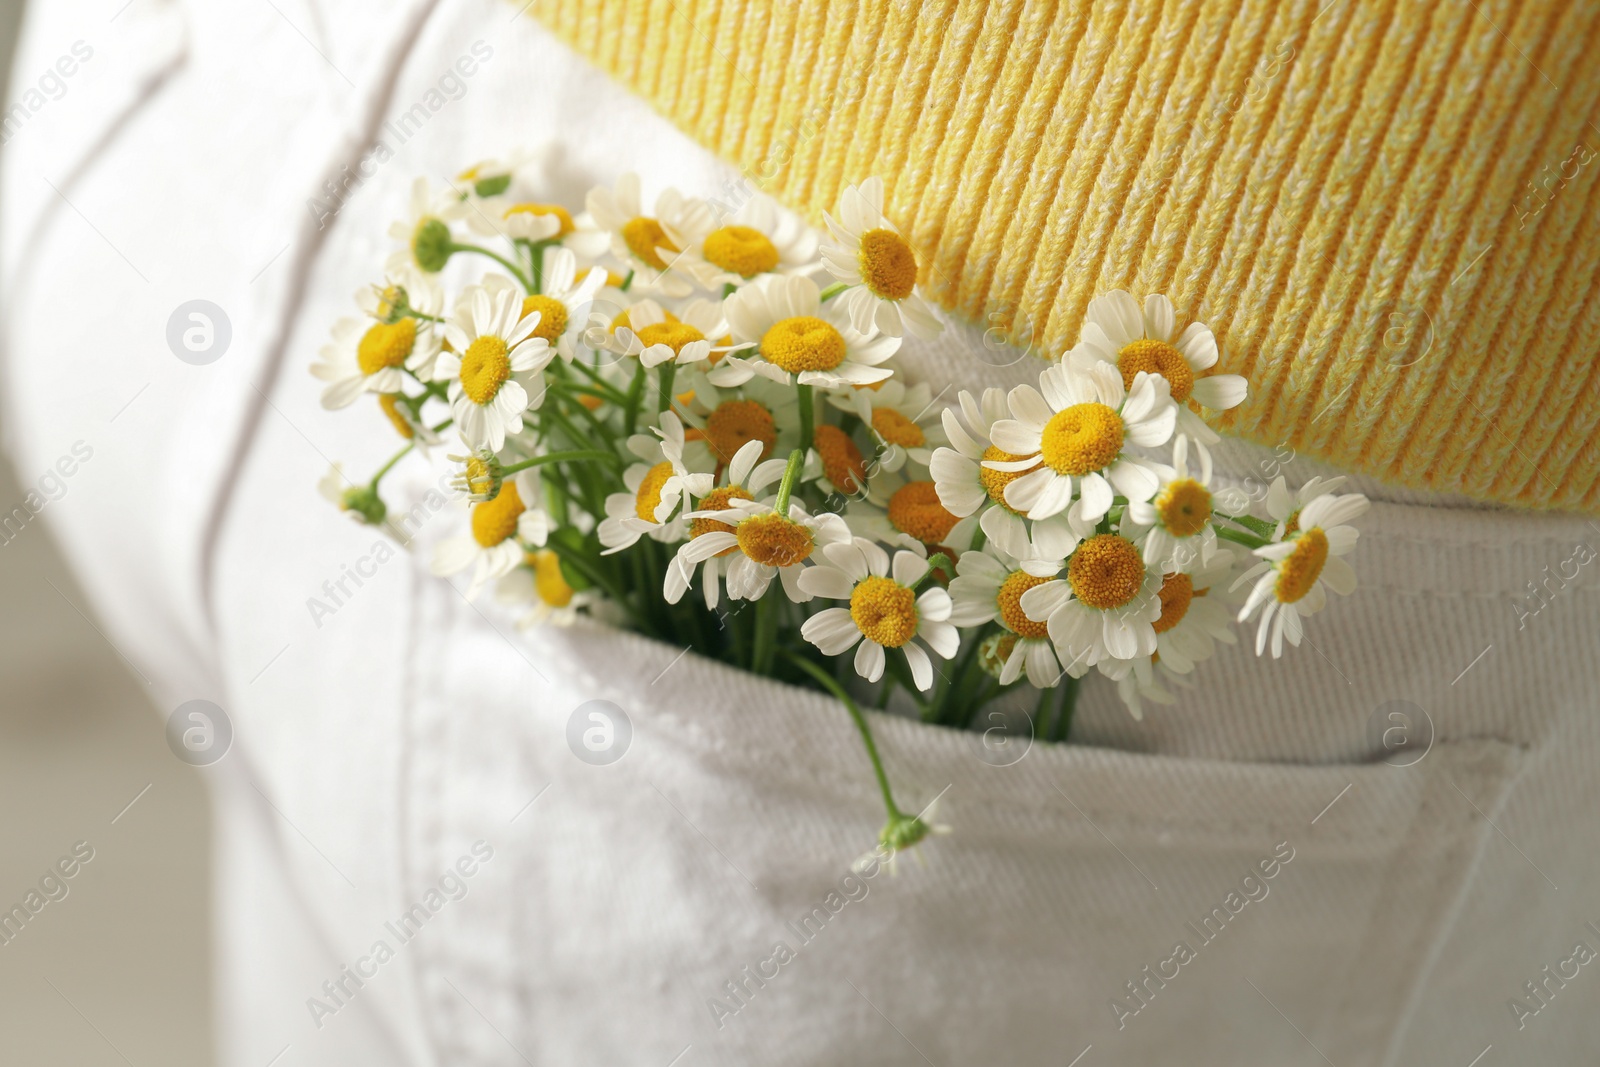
{"x": 118, "y": 970}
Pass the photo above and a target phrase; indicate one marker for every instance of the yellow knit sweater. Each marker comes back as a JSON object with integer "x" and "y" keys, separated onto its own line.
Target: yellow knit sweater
{"x": 1386, "y": 209}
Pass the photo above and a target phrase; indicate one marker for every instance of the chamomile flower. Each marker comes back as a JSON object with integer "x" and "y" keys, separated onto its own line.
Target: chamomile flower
{"x": 426, "y": 228}
{"x": 964, "y": 484}
{"x": 991, "y": 582}
{"x": 660, "y": 488}
{"x": 1078, "y": 428}
{"x": 516, "y": 220}
{"x": 908, "y": 514}
{"x": 1105, "y": 608}
{"x": 747, "y": 476}
{"x": 797, "y": 339}
{"x": 904, "y": 421}
{"x": 721, "y": 422}
{"x": 760, "y": 238}
{"x": 1294, "y": 573}
{"x": 657, "y": 336}
{"x": 1284, "y": 506}
{"x": 1195, "y": 614}
{"x": 564, "y": 303}
{"x": 885, "y": 610}
{"x": 641, "y": 240}
{"x": 373, "y": 357}
{"x": 1116, "y": 332}
{"x": 493, "y": 546}
{"x": 768, "y": 544}
{"x": 540, "y": 583}
{"x": 405, "y": 291}
{"x": 868, "y": 253}
{"x": 488, "y": 178}
{"x": 495, "y": 368}
{"x": 1173, "y": 528}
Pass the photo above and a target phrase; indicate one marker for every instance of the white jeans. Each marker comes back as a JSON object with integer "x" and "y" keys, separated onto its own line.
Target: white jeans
{"x": 630, "y": 914}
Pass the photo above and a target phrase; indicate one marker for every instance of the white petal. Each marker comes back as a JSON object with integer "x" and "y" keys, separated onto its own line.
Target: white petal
{"x": 870, "y": 660}
{"x": 921, "y": 666}
{"x": 1220, "y": 392}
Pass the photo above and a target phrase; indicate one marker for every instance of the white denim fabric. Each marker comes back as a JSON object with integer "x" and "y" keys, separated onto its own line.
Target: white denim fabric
{"x": 373, "y": 750}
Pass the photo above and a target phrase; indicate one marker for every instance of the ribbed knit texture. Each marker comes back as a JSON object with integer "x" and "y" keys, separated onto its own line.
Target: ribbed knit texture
{"x": 1343, "y": 191}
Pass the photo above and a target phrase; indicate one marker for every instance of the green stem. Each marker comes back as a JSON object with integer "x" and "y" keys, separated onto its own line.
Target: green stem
{"x": 1066, "y": 704}
{"x": 1259, "y": 527}
{"x": 807, "y": 419}
{"x": 1240, "y": 537}
{"x": 536, "y": 257}
{"x": 626, "y": 282}
{"x": 669, "y": 371}
{"x": 861, "y": 724}
{"x": 635, "y": 395}
{"x": 376, "y": 478}
{"x": 1041, "y": 715}
{"x": 833, "y": 290}
{"x": 572, "y": 455}
{"x": 791, "y": 474}
{"x": 516, "y": 272}
{"x": 766, "y": 632}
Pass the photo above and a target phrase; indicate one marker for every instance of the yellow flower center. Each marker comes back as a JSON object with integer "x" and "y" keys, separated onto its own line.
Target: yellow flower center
{"x": 717, "y": 500}
{"x": 915, "y": 509}
{"x": 884, "y": 611}
{"x": 643, "y": 236}
{"x": 1156, "y": 357}
{"x": 548, "y": 581}
{"x": 842, "y": 462}
{"x": 557, "y": 210}
{"x": 1292, "y": 526}
{"x": 1298, "y": 571}
{"x": 803, "y": 343}
{"x": 389, "y": 402}
{"x": 495, "y": 520}
{"x": 888, "y": 266}
{"x": 1009, "y": 600}
{"x": 648, "y": 497}
{"x": 1184, "y": 507}
{"x": 479, "y": 480}
{"x": 388, "y": 299}
{"x": 1083, "y": 438}
{"x": 485, "y": 366}
{"x": 552, "y": 316}
{"x": 775, "y": 540}
{"x": 672, "y": 334}
{"x": 995, "y": 482}
{"x": 1106, "y": 572}
{"x": 741, "y": 250}
{"x": 1177, "y": 590}
{"x": 897, "y": 429}
{"x": 734, "y": 424}
{"x": 386, "y": 345}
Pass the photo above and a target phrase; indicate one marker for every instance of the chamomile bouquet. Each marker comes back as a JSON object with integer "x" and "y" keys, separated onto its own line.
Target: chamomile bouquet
{"x": 689, "y": 420}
